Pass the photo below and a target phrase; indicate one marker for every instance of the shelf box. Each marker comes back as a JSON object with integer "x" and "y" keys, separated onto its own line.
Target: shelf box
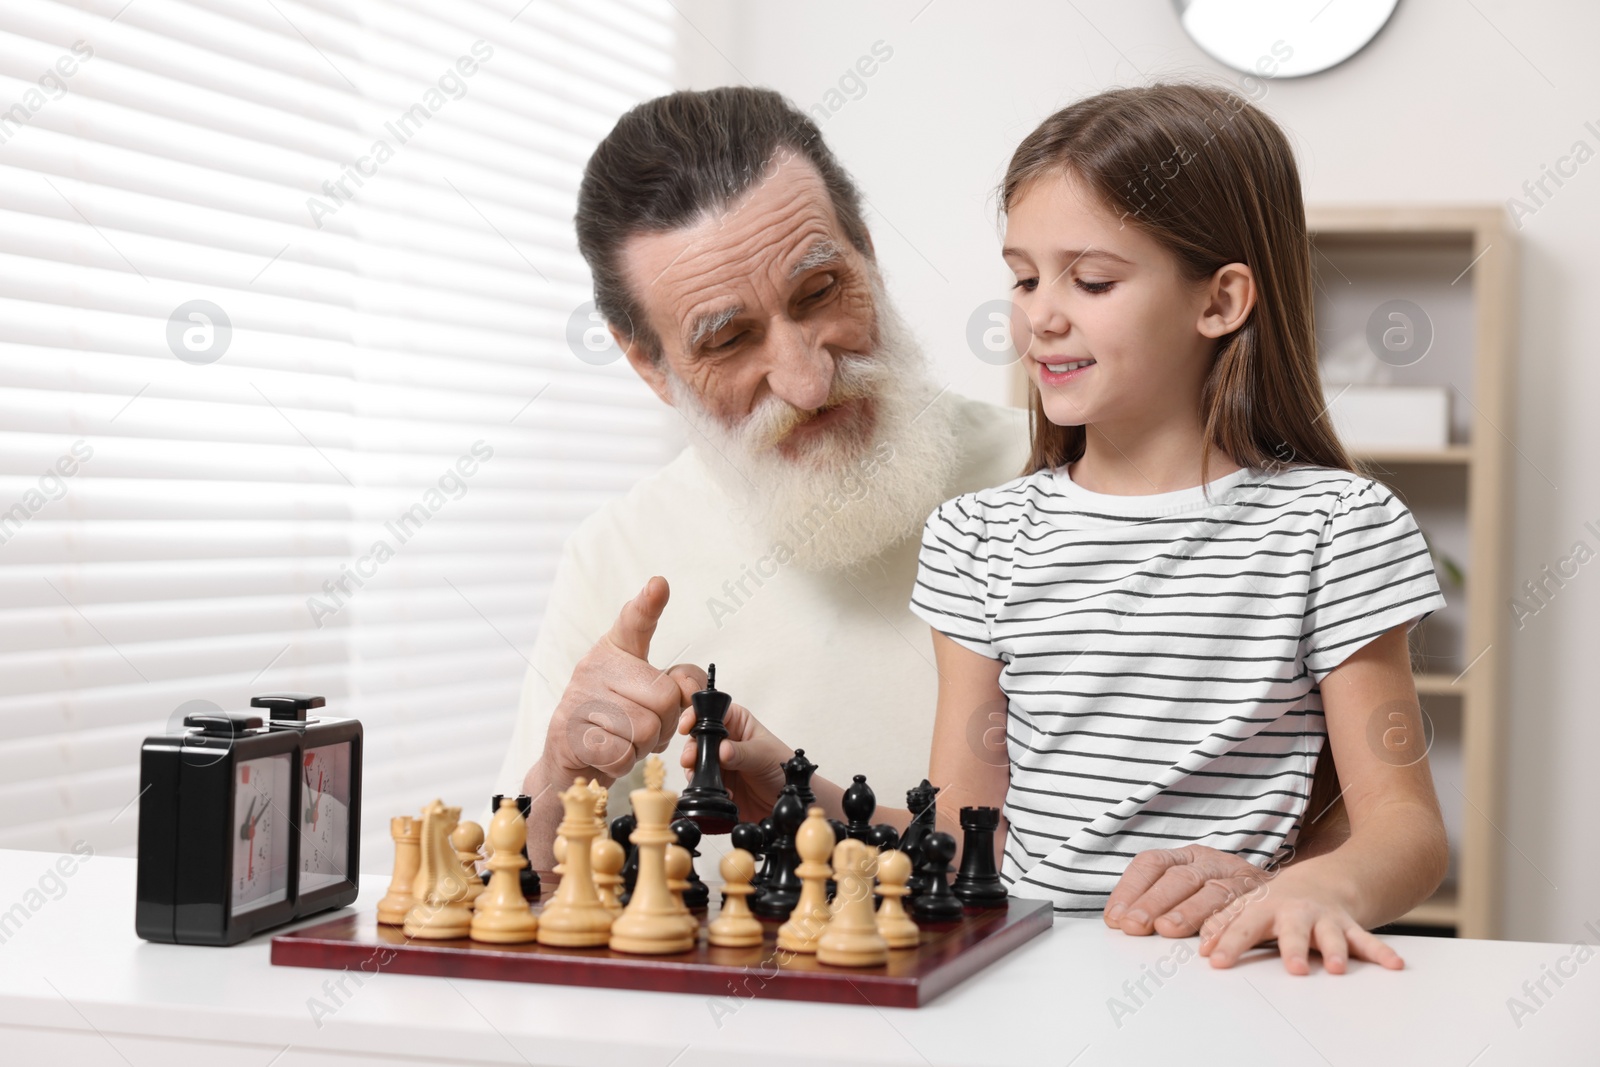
{"x": 1390, "y": 417}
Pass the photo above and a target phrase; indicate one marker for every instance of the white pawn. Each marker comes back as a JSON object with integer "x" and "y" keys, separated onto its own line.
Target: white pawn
{"x": 735, "y": 926}
{"x": 897, "y": 928}
{"x": 502, "y": 916}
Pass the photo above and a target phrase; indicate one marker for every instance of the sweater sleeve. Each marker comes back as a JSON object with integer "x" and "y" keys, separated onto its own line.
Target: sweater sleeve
{"x": 1371, "y": 571}
{"x": 952, "y": 587}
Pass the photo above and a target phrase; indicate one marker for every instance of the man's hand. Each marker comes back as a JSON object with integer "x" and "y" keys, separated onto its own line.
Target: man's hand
{"x": 752, "y": 761}
{"x": 617, "y": 708}
{"x": 1172, "y": 891}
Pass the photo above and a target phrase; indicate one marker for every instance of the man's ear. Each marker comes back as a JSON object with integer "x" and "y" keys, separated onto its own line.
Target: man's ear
{"x": 654, "y": 375}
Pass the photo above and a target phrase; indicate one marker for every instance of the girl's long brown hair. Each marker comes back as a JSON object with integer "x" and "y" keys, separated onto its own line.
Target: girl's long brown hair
{"x": 1212, "y": 179}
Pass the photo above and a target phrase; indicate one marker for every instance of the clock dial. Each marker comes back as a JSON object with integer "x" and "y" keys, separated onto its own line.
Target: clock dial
{"x": 260, "y": 846}
{"x": 324, "y": 816}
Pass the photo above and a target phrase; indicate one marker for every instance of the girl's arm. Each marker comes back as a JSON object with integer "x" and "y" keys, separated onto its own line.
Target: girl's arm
{"x": 968, "y": 761}
{"x": 1397, "y": 852}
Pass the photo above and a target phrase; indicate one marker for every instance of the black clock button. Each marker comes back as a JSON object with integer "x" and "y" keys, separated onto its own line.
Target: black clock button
{"x": 285, "y": 707}
{"x": 223, "y": 724}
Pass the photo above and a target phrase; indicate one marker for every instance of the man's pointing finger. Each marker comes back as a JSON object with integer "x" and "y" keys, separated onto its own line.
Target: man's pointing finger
{"x": 636, "y": 624}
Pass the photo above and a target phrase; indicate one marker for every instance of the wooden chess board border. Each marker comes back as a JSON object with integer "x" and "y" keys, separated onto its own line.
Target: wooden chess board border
{"x": 948, "y": 954}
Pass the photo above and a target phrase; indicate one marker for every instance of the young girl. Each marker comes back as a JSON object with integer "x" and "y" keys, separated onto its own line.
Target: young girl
{"x": 1188, "y": 592}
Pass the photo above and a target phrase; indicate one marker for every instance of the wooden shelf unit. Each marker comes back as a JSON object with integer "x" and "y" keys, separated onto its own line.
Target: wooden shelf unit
{"x": 1471, "y": 903}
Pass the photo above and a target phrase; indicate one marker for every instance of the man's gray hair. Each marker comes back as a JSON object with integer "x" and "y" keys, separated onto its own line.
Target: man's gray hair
{"x": 672, "y": 160}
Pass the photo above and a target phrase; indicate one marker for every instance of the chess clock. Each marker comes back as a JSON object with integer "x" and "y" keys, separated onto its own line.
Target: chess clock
{"x": 247, "y": 824}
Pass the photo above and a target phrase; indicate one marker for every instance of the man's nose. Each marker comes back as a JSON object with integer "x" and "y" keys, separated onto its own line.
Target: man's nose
{"x": 800, "y": 367}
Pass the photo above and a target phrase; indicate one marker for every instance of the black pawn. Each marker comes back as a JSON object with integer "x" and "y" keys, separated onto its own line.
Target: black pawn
{"x": 859, "y": 803}
{"x": 528, "y": 876}
{"x": 920, "y": 801}
{"x": 698, "y": 895}
{"x": 797, "y": 771}
{"x": 782, "y": 889}
{"x": 978, "y": 884}
{"x": 884, "y": 837}
{"x": 748, "y": 836}
{"x": 936, "y": 904}
{"x": 622, "y": 828}
{"x": 706, "y": 800}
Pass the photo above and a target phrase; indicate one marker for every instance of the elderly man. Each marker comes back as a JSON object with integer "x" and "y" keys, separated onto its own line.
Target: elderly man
{"x": 732, "y": 263}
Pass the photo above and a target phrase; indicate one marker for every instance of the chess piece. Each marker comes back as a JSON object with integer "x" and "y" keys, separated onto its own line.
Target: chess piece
{"x": 797, "y": 771}
{"x": 780, "y": 890}
{"x": 897, "y": 928}
{"x": 769, "y": 841}
{"x": 467, "y": 839}
{"x": 884, "y": 837}
{"x": 440, "y": 885}
{"x": 677, "y": 865}
{"x": 921, "y": 802}
{"x": 852, "y": 938}
{"x": 407, "y": 834}
{"x": 859, "y": 803}
{"x": 696, "y": 895}
{"x": 936, "y": 904}
{"x": 840, "y": 832}
{"x": 651, "y": 924}
{"x": 705, "y": 799}
{"x": 748, "y": 836}
{"x": 978, "y": 883}
{"x": 575, "y": 917}
{"x": 622, "y": 828}
{"x": 734, "y": 926}
{"x": 502, "y": 915}
{"x": 606, "y": 857}
{"x": 814, "y": 842}
{"x": 529, "y": 878}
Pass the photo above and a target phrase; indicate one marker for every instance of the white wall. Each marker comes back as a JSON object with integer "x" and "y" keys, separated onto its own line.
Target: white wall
{"x": 1451, "y": 103}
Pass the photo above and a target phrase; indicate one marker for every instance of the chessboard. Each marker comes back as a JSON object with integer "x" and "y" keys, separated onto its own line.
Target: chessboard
{"x": 946, "y": 954}
{"x": 839, "y": 911}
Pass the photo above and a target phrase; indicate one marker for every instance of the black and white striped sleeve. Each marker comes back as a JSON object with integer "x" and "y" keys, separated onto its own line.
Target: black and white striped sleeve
{"x": 1370, "y": 573}
{"x": 951, "y": 592}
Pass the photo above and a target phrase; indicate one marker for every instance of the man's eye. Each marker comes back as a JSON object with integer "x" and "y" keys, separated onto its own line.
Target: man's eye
{"x": 1026, "y": 284}
{"x": 820, "y": 293}
{"x": 1094, "y": 287}
{"x": 722, "y": 346}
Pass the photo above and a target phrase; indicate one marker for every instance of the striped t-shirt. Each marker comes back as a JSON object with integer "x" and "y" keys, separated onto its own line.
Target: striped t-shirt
{"x": 1163, "y": 653}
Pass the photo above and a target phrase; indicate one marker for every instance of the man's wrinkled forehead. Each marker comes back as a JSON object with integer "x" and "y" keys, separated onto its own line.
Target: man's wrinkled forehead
{"x": 749, "y": 249}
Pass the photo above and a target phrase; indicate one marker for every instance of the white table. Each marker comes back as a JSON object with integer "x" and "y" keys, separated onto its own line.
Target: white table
{"x": 78, "y": 987}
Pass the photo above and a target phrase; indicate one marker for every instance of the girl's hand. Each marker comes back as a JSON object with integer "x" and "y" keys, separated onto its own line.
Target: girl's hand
{"x": 752, "y": 761}
{"x": 1302, "y": 915}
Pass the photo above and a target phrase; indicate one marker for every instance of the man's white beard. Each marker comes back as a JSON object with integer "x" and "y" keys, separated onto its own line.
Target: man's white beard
{"x": 846, "y": 498}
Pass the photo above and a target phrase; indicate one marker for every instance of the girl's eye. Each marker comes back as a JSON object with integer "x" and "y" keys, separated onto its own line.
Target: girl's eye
{"x": 1027, "y": 285}
{"x": 1094, "y": 287}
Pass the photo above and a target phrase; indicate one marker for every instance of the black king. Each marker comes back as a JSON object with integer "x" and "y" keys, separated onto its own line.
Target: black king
{"x": 706, "y": 800}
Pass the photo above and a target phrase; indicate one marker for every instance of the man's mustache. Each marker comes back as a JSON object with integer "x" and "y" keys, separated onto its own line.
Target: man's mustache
{"x": 855, "y": 377}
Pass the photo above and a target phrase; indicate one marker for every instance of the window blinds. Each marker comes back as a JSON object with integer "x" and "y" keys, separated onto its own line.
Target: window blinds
{"x": 286, "y": 395}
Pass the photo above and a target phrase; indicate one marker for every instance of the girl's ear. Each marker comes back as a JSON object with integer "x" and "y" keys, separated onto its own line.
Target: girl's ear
{"x": 1231, "y": 294}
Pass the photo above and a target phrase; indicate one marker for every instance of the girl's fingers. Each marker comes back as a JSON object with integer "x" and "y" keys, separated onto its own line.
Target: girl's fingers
{"x": 1331, "y": 943}
{"x": 1367, "y": 946}
{"x": 1250, "y": 928}
{"x": 1294, "y": 944}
